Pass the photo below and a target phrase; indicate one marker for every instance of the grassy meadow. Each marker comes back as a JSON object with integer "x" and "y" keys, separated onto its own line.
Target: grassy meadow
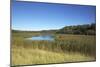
{"x": 52, "y": 33}
{"x": 64, "y": 48}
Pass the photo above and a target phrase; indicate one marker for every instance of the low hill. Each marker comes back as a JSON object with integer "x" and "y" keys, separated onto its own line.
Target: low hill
{"x": 86, "y": 29}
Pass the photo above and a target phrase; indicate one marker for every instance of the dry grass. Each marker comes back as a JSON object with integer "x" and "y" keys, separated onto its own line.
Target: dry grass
{"x": 65, "y": 48}
{"x": 21, "y": 56}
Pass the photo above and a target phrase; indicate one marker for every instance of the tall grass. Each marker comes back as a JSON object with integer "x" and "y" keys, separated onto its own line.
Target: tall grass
{"x": 22, "y": 56}
{"x": 64, "y": 45}
{"x": 78, "y": 43}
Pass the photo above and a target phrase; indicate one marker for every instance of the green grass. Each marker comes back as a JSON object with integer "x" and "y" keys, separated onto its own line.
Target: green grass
{"x": 65, "y": 48}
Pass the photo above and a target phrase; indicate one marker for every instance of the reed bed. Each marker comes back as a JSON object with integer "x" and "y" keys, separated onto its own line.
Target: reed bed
{"x": 65, "y": 48}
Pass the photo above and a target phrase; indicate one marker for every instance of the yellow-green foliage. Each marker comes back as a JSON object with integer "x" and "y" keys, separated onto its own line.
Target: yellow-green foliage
{"x": 82, "y": 43}
{"x": 65, "y": 48}
{"x": 22, "y": 56}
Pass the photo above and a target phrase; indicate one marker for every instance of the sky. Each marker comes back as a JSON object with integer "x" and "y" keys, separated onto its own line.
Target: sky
{"x": 37, "y": 16}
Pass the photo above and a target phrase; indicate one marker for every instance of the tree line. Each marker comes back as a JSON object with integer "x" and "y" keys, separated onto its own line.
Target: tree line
{"x": 86, "y": 29}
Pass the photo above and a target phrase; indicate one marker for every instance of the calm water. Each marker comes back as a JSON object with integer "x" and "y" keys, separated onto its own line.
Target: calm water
{"x": 42, "y": 37}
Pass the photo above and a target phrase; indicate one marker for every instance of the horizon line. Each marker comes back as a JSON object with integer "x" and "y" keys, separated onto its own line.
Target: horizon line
{"x": 48, "y": 29}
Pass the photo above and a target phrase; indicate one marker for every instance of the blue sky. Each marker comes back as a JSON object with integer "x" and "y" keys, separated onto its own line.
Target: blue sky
{"x": 45, "y": 16}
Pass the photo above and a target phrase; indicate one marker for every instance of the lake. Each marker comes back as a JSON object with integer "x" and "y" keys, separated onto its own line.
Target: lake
{"x": 42, "y": 37}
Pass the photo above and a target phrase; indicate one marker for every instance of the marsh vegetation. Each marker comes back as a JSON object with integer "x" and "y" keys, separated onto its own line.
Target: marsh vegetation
{"x": 64, "y": 48}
